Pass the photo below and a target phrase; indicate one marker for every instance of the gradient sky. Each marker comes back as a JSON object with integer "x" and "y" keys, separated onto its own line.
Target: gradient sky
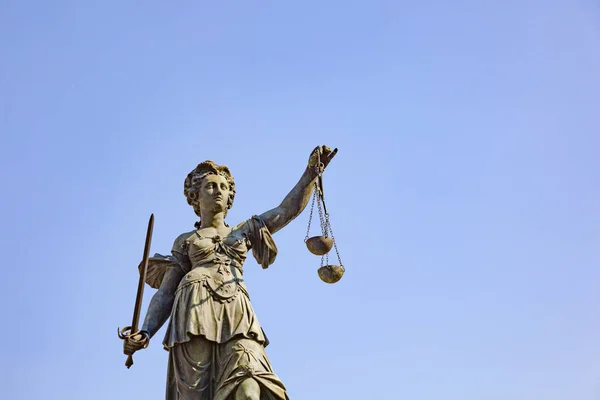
{"x": 464, "y": 198}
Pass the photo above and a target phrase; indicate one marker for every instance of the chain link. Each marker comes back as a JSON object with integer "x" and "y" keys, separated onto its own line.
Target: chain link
{"x": 322, "y": 219}
{"x": 312, "y": 208}
{"x": 334, "y": 242}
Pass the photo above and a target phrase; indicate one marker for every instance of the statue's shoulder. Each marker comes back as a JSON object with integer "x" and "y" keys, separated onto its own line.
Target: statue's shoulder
{"x": 181, "y": 240}
{"x": 242, "y": 227}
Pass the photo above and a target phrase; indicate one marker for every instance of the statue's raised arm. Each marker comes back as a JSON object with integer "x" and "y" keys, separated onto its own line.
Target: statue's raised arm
{"x": 297, "y": 199}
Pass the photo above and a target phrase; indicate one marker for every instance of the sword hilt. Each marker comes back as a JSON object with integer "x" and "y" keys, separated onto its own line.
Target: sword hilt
{"x": 127, "y": 335}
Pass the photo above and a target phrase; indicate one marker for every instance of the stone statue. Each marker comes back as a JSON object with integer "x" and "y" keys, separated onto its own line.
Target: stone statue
{"x": 216, "y": 344}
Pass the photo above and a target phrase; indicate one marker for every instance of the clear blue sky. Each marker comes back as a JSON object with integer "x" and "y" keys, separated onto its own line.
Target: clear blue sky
{"x": 465, "y": 195}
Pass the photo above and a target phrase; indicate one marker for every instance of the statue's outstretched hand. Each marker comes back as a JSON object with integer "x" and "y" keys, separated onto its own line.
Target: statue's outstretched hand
{"x": 136, "y": 342}
{"x": 322, "y": 153}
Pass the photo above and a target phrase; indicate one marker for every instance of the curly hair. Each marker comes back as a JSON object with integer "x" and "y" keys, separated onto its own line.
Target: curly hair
{"x": 193, "y": 181}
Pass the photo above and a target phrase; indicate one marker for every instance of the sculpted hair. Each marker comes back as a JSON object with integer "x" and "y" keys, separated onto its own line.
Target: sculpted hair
{"x": 194, "y": 179}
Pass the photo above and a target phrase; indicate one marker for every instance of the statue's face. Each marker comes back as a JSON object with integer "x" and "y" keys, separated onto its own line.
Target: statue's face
{"x": 214, "y": 193}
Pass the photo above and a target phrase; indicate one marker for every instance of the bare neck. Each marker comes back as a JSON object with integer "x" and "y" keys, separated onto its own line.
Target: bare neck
{"x": 212, "y": 220}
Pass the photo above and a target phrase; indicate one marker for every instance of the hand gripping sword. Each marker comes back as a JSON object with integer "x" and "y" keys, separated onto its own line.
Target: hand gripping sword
{"x": 129, "y": 331}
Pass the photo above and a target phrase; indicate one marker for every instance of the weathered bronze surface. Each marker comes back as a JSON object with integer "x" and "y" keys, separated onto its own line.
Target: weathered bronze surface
{"x": 319, "y": 245}
{"x": 215, "y": 342}
{"x": 331, "y": 273}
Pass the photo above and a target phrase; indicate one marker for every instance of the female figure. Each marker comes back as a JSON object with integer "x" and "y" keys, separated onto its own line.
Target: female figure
{"x": 215, "y": 342}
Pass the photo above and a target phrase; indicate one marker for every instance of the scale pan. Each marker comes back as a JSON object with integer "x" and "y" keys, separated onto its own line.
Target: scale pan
{"x": 319, "y": 245}
{"x": 331, "y": 273}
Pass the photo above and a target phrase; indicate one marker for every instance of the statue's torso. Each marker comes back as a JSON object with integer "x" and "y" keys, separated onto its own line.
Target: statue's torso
{"x": 211, "y": 299}
{"x": 217, "y": 262}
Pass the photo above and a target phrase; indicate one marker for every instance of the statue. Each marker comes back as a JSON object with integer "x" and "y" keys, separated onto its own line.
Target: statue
{"x": 216, "y": 344}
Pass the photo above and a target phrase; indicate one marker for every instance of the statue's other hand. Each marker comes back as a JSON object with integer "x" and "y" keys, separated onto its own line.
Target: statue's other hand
{"x": 324, "y": 153}
{"x": 136, "y": 342}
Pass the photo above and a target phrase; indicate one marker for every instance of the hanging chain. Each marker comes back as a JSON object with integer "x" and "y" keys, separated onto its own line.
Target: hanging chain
{"x": 334, "y": 242}
{"x": 322, "y": 219}
{"x": 312, "y": 208}
{"x": 320, "y": 167}
{"x": 321, "y": 203}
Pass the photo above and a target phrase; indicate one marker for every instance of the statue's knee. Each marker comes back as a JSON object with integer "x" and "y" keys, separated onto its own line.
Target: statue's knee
{"x": 248, "y": 390}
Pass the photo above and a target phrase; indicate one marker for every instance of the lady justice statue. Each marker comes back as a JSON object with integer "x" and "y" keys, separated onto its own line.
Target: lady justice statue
{"x": 215, "y": 342}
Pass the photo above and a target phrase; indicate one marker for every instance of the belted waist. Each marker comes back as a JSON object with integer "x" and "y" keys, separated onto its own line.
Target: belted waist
{"x": 216, "y": 262}
{"x": 217, "y": 276}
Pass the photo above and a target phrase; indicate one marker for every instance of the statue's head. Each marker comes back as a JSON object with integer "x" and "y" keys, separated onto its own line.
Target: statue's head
{"x": 209, "y": 185}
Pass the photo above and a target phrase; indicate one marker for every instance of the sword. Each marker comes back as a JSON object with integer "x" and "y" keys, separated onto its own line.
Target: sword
{"x": 129, "y": 331}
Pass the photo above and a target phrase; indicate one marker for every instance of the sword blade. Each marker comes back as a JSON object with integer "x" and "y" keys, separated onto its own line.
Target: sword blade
{"x": 140, "y": 291}
{"x": 142, "y": 281}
